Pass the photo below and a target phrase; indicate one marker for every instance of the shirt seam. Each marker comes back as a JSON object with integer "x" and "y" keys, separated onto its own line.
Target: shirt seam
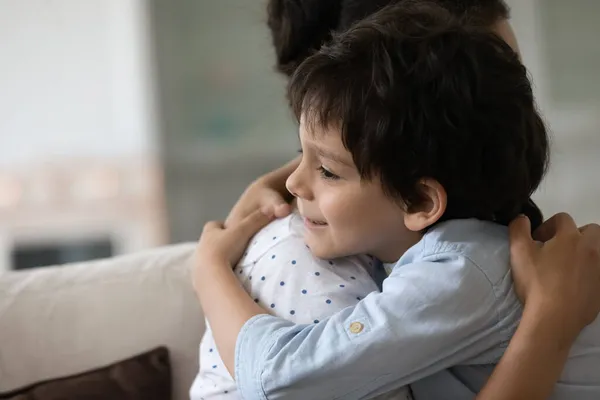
{"x": 499, "y": 317}
{"x": 480, "y": 270}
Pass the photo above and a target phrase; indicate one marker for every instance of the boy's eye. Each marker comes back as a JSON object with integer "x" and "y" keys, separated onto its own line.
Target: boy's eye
{"x": 327, "y": 174}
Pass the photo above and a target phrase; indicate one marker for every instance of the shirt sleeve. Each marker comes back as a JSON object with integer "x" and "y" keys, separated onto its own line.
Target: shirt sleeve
{"x": 430, "y": 315}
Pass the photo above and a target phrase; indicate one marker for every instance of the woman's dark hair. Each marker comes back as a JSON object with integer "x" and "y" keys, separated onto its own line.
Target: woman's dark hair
{"x": 479, "y": 12}
{"x": 300, "y": 27}
{"x": 418, "y": 94}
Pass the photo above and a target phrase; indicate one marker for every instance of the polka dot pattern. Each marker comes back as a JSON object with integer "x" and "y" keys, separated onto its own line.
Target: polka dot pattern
{"x": 284, "y": 278}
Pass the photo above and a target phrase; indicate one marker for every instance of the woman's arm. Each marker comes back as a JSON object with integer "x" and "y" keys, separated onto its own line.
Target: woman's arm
{"x": 268, "y": 192}
{"x": 567, "y": 266}
{"x": 533, "y": 360}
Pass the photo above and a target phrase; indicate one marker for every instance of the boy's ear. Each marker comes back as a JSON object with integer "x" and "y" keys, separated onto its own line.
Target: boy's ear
{"x": 430, "y": 210}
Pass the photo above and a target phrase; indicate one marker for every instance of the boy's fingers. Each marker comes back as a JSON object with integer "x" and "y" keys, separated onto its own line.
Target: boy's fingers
{"x": 212, "y": 225}
{"x": 271, "y": 200}
{"x": 282, "y": 210}
{"x": 253, "y": 223}
{"x": 559, "y": 224}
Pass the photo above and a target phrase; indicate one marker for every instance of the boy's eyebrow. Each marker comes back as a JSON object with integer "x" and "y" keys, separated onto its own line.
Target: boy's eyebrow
{"x": 332, "y": 156}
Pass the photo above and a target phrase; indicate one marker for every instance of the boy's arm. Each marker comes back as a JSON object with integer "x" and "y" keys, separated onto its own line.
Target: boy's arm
{"x": 268, "y": 192}
{"x": 276, "y": 359}
{"x": 388, "y": 339}
{"x": 343, "y": 285}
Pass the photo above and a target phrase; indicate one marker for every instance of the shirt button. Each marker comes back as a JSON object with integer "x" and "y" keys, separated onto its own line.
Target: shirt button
{"x": 356, "y": 327}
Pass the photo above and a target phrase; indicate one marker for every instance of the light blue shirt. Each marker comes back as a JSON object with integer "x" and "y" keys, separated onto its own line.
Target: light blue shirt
{"x": 446, "y": 312}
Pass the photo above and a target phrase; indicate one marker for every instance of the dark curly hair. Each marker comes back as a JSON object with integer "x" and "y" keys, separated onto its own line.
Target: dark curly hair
{"x": 418, "y": 94}
{"x": 300, "y": 27}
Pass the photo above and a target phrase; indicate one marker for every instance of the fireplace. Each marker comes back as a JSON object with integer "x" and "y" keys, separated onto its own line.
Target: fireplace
{"x": 56, "y": 253}
{"x": 79, "y": 210}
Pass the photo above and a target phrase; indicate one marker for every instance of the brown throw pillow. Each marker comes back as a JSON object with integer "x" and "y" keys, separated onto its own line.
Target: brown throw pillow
{"x": 143, "y": 377}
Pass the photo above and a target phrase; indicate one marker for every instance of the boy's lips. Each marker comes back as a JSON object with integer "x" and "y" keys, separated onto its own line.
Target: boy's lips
{"x": 313, "y": 223}
{"x": 310, "y": 222}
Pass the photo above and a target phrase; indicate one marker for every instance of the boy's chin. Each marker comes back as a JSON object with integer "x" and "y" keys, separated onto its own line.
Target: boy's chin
{"x": 323, "y": 252}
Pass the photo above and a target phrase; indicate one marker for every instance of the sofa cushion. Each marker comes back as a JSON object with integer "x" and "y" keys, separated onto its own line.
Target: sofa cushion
{"x": 60, "y": 321}
{"x": 143, "y": 377}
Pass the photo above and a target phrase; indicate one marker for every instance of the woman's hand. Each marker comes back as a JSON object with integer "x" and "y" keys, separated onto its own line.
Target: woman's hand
{"x": 560, "y": 274}
{"x": 268, "y": 193}
{"x": 558, "y": 279}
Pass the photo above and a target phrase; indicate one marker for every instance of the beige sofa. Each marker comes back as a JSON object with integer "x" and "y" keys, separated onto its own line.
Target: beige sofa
{"x": 60, "y": 321}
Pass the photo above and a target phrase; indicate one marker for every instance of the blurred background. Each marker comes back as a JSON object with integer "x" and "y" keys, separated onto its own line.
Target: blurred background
{"x": 126, "y": 124}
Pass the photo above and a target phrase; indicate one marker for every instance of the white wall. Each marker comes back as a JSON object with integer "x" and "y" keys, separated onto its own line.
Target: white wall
{"x": 75, "y": 80}
{"x": 77, "y": 96}
{"x": 572, "y": 184}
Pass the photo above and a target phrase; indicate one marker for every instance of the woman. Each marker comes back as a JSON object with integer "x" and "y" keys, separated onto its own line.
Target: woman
{"x": 549, "y": 325}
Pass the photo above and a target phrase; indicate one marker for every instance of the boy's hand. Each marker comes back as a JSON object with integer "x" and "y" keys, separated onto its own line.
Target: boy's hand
{"x": 219, "y": 245}
{"x": 561, "y": 274}
{"x": 258, "y": 196}
{"x": 268, "y": 193}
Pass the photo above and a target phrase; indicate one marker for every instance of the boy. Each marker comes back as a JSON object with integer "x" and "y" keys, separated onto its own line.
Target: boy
{"x": 280, "y": 273}
{"x": 277, "y": 287}
{"x": 420, "y": 139}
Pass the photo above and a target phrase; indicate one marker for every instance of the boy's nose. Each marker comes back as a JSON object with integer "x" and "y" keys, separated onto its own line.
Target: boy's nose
{"x": 297, "y": 185}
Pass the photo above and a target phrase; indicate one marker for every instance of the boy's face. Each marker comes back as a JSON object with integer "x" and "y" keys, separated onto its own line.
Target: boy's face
{"x": 344, "y": 215}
